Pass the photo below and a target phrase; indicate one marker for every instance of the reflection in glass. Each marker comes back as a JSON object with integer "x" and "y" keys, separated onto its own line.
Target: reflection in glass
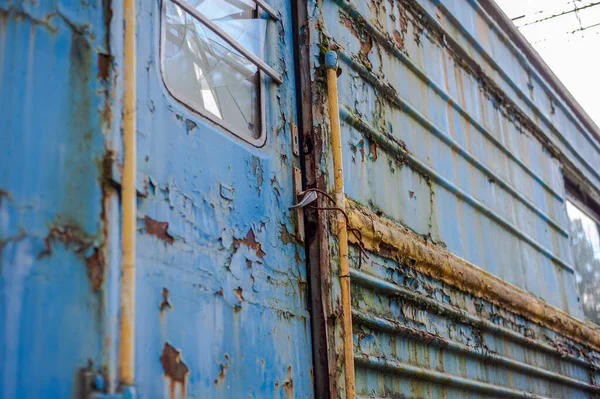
{"x": 585, "y": 240}
{"x": 206, "y": 73}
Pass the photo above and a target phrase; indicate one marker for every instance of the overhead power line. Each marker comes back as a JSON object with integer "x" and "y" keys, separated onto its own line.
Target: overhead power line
{"x": 556, "y": 15}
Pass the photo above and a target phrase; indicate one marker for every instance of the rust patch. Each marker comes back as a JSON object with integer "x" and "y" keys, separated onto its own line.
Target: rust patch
{"x": 411, "y": 194}
{"x": 165, "y": 304}
{"x": 70, "y": 236}
{"x": 174, "y": 368}
{"x": 104, "y": 62}
{"x": 158, "y": 229}
{"x": 95, "y": 265}
{"x": 250, "y": 242}
{"x": 73, "y": 238}
{"x": 248, "y": 263}
{"x": 222, "y": 370}
{"x": 288, "y": 385}
{"x": 286, "y": 237}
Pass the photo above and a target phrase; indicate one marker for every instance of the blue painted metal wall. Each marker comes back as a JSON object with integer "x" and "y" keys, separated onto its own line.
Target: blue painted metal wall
{"x": 55, "y": 120}
{"x": 449, "y": 132}
{"x": 237, "y": 306}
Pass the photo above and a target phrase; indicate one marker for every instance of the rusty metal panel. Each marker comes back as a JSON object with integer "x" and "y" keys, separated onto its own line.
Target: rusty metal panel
{"x": 450, "y": 133}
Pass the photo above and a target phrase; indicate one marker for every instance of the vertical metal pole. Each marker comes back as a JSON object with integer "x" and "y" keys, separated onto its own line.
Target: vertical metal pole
{"x": 127, "y": 329}
{"x": 338, "y": 176}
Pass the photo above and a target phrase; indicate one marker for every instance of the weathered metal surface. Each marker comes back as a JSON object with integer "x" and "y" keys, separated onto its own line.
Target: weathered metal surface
{"x": 451, "y": 133}
{"x": 448, "y": 131}
{"x": 56, "y": 207}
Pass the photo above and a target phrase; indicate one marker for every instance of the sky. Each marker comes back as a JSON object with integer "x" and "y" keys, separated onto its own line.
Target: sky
{"x": 566, "y": 33}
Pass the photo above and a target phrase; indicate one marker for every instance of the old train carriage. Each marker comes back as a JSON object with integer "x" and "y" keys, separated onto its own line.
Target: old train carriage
{"x": 301, "y": 199}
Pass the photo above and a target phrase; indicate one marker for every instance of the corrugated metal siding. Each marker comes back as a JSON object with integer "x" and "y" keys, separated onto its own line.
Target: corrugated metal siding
{"x": 418, "y": 338}
{"x": 448, "y": 132}
{"x": 473, "y": 173}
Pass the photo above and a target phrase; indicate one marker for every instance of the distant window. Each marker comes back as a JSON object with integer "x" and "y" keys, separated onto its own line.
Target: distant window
{"x": 585, "y": 240}
{"x": 208, "y": 75}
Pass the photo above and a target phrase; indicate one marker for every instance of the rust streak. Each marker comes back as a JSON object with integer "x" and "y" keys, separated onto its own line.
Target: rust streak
{"x": 222, "y": 370}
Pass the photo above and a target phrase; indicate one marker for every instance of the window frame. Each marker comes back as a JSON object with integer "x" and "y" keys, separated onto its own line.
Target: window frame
{"x": 591, "y": 209}
{"x": 258, "y": 142}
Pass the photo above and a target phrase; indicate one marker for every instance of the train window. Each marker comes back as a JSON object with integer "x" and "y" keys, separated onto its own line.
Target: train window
{"x": 206, "y": 72}
{"x": 585, "y": 241}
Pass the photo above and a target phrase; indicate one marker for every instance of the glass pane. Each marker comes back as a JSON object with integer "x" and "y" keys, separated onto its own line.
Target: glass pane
{"x": 206, "y": 73}
{"x": 585, "y": 240}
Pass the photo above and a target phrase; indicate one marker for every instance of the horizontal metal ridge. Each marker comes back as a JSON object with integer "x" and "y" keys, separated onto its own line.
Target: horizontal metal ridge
{"x": 404, "y": 369}
{"x": 429, "y": 339}
{"x": 368, "y": 281}
{"x": 394, "y": 50}
{"x": 404, "y": 106}
{"x": 388, "y": 144}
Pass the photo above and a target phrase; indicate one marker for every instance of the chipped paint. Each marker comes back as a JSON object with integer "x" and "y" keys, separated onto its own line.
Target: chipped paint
{"x": 158, "y": 229}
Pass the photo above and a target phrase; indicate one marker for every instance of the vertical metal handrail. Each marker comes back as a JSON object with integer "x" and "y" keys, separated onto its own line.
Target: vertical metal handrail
{"x": 340, "y": 199}
{"x": 128, "y": 202}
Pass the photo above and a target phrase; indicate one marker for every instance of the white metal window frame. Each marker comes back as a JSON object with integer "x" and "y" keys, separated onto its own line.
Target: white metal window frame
{"x": 262, "y": 68}
{"x": 578, "y": 203}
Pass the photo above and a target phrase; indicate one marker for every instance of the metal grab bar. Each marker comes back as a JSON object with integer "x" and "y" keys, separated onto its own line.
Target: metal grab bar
{"x": 260, "y": 64}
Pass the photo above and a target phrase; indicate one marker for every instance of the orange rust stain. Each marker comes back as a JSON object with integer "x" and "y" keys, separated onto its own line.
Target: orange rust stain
{"x": 165, "y": 304}
{"x": 238, "y": 293}
{"x": 399, "y": 39}
{"x": 373, "y": 150}
{"x": 250, "y": 242}
{"x": 158, "y": 229}
{"x": 175, "y": 370}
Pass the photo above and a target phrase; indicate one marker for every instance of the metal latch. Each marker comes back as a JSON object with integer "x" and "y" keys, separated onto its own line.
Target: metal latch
{"x": 297, "y": 184}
